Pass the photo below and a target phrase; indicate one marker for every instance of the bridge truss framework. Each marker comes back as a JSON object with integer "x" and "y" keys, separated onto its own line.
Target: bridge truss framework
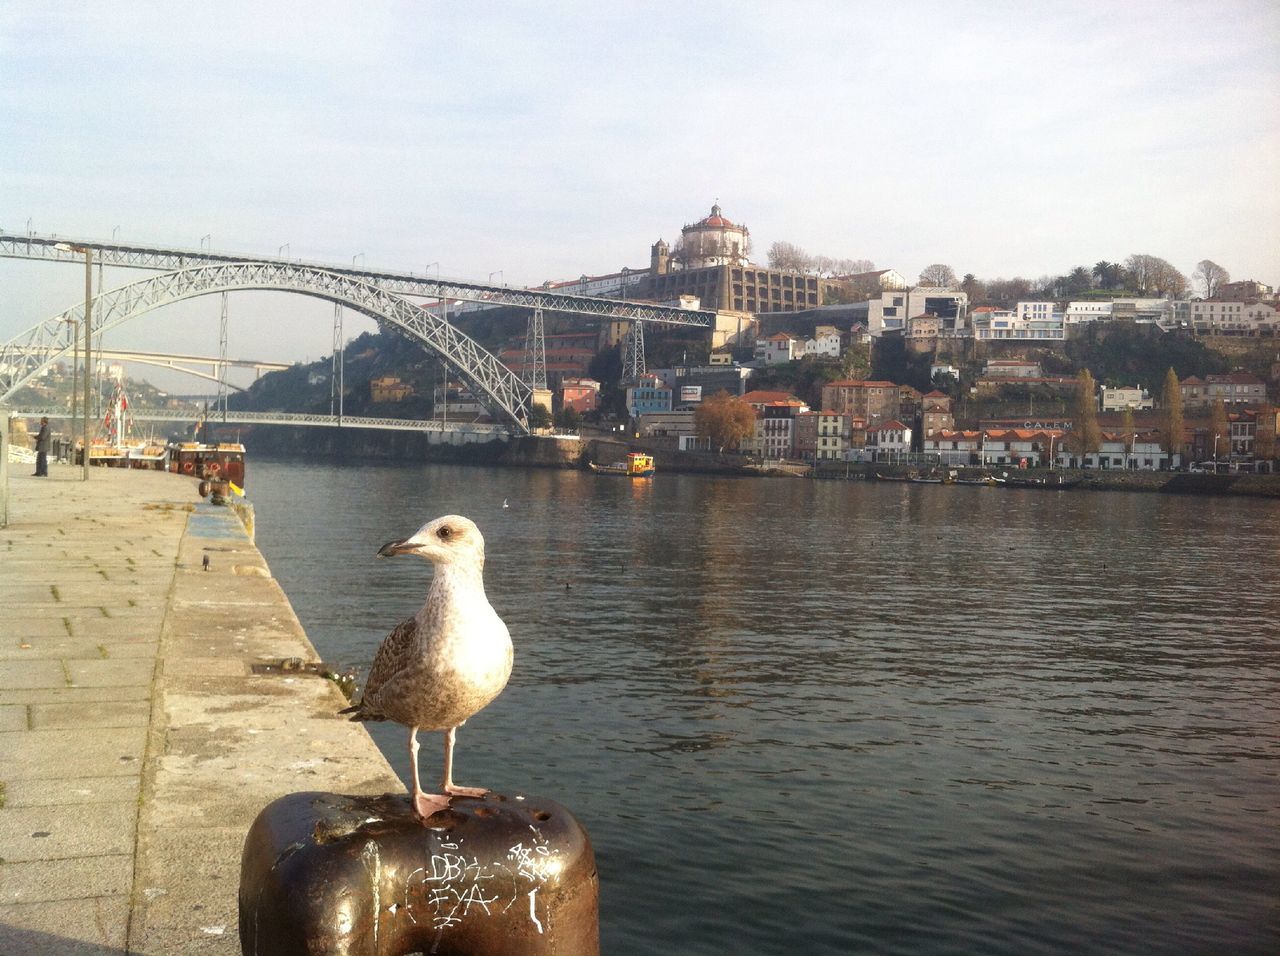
{"x": 502, "y": 391}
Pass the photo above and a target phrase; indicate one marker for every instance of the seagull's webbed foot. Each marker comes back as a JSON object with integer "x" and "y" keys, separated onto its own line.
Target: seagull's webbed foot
{"x": 454, "y": 790}
{"x": 425, "y": 804}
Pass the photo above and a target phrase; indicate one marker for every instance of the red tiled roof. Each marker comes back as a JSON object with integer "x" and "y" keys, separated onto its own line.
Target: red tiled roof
{"x": 763, "y": 398}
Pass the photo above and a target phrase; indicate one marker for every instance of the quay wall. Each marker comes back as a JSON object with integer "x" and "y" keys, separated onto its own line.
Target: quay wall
{"x": 141, "y": 738}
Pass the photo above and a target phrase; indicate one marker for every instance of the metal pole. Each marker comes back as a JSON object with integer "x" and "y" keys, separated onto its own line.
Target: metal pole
{"x": 88, "y": 349}
{"x": 75, "y": 383}
{"x": 222, "y": 361}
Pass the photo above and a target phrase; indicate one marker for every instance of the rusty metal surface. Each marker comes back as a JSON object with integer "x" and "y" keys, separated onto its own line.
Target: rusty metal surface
{"x": 324, "y": 873}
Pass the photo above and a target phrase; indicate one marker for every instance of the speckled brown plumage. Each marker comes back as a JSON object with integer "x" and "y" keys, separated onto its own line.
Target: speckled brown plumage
{"x": 448, "y": 661}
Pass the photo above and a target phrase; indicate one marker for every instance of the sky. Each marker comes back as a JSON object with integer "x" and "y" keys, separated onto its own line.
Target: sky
{"x": 526, "y": 142}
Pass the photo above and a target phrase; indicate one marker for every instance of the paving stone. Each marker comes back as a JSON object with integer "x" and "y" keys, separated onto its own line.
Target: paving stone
{"x": 61, "y": 832}
{"x": 72, "y": 716}
{"x": 32, "y": 673}
{"x": 109, "y": 673}
{"x": 88, "y": 752}
{"x": 71, "y": 791}
{"x": 13, "y": 717}
{"x": 40, "y": 881}
{"x": 90, "y": 927}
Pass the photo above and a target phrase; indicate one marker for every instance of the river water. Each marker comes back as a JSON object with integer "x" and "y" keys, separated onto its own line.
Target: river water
{"x": 844, "y": 717}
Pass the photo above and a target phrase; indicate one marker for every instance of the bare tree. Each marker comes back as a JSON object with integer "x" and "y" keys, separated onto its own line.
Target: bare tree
{"x": 1085, "y": 435}
{"x": 1211, "y": 276}
{"x": 1004, "y": 293}
{"x": 789, "y": 257}
{"x": 938, "y": 275}
{"x": 1152, "y": 275}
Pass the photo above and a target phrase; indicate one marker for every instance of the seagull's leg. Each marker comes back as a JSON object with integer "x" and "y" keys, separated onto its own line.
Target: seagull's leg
{"x": 424, "y": 804}
{"x": 450, "y": 787}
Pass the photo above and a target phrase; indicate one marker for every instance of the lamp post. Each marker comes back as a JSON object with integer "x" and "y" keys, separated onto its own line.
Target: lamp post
{"x": 75, "y": 372}
{"x": 1133, "y": 452}
{"x": 88, "y": 342}
{"x": 1215, "y": 453}
{"x": 497, "y": 273}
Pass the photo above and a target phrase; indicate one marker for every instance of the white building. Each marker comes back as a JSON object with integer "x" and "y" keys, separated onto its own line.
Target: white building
{"x": 889, "y": 312}
{"x": 953, "y": 447}
{"x": 1010, "y": 324}
{"x": 889, "y": 440}
{"x": 1036, "y": 312}
{"x": 1233, "y": 318}
{"x": 1078, "y": 312}
{"x": 1122, "y": 397}
{"x": 1131, "y": 452}
{"x": 779, "y": 349}
{"x": 825, "y": 342}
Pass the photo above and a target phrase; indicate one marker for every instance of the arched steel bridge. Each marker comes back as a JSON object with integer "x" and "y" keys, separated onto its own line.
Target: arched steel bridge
{"x": 178, "y": 362}
{"x": 372, "y": 293}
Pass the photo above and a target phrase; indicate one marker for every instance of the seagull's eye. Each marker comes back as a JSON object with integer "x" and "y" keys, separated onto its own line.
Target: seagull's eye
{"x": 445, "y": 533}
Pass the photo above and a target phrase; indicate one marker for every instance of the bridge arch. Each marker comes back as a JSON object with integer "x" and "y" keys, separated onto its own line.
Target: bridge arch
{"x": 499, "y": 388}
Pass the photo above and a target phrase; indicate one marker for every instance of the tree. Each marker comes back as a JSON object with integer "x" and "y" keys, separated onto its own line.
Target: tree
{"x": 938, "y": 275}
{"x": 1005, "y": 293}
{"x": 1126, "y": 424}
{"x": 865, "y": 285}
{"x": 1152, "y": 275}
{"x": 1078, "y": 282}
{"x": 789, "y": 257}
{"x": 724, "y": 419}
{"x": 539, "y": 416}
{"x": 1109, "y": 275}
{"x": 1171, "y": 425}
{"x": 971, "y": 287}
{"x": 569, "y": 419}
{"x": 1220, "y": 430}
{"x": 1210, "y": 275}
{"x": 1085, "y": 435}
{"x": 1264, "y": 439}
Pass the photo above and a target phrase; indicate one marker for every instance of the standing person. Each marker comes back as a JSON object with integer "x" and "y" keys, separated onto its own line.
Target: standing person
{"x": 43, "y": 440}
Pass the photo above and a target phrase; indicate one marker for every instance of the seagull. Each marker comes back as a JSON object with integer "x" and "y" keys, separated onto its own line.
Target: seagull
{"x": 504, "y": 503}
{"x": 448, "y": 661}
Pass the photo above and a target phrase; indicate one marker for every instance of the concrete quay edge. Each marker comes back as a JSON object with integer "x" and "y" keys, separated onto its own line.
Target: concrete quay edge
{"x": 138, "y": 745}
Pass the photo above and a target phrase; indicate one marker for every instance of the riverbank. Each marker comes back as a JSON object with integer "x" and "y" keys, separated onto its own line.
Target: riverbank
{"x": 139, "y": 742}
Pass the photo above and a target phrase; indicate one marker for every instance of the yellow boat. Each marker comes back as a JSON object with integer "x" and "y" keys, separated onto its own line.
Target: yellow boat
{"x": 637, "y": 465}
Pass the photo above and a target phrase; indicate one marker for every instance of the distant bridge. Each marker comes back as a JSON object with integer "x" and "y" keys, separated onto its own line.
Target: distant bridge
{"x": 177, "y": 362}
{"x": 194, "y": 416}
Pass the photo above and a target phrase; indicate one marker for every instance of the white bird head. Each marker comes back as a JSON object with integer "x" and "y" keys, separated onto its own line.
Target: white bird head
{"x": 450, "y": 539}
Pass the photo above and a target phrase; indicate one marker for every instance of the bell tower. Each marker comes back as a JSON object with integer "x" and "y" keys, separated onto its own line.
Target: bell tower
{"x": 659, "y": 258}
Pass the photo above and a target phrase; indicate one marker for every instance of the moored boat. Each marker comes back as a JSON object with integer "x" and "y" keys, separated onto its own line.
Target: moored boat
{"x": 637, "y": 465}
{"x": 223, "y": 461}
{"x": 1048, "y": 482}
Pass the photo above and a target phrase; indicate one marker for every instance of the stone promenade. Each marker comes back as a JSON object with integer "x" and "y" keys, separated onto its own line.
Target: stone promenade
{"x": 136, "y": 742}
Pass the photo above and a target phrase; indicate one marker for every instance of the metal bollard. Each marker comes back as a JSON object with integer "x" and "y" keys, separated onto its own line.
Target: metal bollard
{"x": 324, "y": 873}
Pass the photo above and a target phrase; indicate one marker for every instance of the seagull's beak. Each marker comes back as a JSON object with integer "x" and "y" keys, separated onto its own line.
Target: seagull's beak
{"x": 392, "y": 548}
